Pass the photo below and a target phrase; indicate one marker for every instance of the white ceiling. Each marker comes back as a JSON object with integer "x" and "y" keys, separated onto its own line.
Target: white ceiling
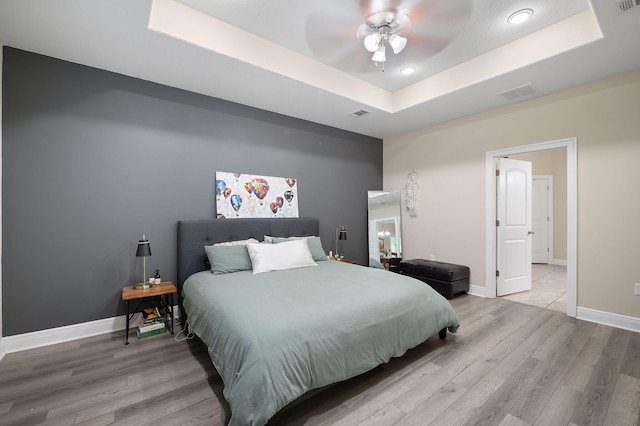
{"x": 302, "y": 59}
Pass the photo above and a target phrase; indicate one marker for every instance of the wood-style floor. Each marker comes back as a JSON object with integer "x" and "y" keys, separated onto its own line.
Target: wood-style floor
{"x": 509, "y": 364}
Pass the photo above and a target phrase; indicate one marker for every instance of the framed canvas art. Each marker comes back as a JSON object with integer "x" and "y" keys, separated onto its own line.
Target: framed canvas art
{"x": 245, "y": 195}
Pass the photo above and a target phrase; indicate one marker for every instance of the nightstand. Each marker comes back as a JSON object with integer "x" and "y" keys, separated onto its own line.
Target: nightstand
{"x": 345, "y": 260}
{"x": 163, "y": 293}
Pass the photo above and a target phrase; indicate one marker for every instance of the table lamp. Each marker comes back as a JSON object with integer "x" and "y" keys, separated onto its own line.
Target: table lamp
{"x": 341, "y": 234}
{"x": 143, "y": 251}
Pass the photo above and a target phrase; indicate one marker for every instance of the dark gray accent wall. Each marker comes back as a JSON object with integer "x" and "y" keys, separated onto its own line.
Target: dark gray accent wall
{"x": 92, "y": 159}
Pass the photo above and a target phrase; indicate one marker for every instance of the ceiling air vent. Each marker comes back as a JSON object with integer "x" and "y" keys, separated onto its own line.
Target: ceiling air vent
{"x": 359, "y": 113}
{"x": 627, "y": 5}
{"x": 518, "y": 92}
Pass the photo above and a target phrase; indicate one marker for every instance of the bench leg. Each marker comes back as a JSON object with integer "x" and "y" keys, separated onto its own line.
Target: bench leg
{"x": 442, "y": 334}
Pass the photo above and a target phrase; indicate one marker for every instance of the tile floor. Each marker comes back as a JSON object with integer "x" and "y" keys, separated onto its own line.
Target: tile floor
{"x": 549, "y": 290}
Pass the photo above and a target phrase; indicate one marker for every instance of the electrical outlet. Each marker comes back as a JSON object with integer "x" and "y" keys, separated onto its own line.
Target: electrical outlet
{"x": 637, "y": 292}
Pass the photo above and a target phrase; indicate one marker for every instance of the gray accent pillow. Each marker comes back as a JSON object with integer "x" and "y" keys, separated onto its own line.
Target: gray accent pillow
{"x": 227, "y": 259}
{"x": 315, "y": 246}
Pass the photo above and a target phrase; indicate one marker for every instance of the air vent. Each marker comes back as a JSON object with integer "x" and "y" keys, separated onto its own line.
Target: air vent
{"x": 520, "y": 91}
{"x": 359, "y": 113}
{"x": 627, "y": 5}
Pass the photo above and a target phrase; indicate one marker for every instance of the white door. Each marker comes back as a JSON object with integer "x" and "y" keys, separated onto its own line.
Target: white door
{"x": 540, "y": 218}
{"x": 514, "y": 226}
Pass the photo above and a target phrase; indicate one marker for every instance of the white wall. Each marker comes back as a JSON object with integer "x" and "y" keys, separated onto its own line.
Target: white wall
{"x": 450, "y": 159}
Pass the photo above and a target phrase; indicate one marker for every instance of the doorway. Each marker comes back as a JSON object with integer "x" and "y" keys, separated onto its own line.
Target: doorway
{"x": 549, "y": 274}
{"x": 548, "y": 283}
{"x": 548, "y": 288}
{"x": 570, "y": 145}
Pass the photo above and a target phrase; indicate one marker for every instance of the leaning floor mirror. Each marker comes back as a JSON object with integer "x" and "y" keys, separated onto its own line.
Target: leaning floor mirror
{"x": 385, "y": 240}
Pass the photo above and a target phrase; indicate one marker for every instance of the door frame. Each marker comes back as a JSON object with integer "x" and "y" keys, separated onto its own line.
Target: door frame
{"x": 570, "y": 144}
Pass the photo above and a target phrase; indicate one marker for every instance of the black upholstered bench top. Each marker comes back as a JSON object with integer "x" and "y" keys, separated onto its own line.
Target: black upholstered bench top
{"x": 446, "y": 278}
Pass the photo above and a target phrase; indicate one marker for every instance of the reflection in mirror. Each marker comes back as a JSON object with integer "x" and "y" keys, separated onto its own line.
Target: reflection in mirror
{"x": 385, "y": 248}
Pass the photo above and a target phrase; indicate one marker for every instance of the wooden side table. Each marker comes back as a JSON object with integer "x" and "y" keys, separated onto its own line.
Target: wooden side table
{"x": 163, "y": 292}
{"x": 385, "y": 263}
{"x": 345, "y": 260}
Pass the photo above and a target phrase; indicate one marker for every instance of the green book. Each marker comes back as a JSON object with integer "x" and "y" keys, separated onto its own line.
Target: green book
{"x": 150, "y": 333}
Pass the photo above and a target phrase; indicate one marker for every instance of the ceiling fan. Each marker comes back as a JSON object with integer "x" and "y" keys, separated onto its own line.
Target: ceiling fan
{"x": 344, "y": 34}
{"x": 383, "y": 28}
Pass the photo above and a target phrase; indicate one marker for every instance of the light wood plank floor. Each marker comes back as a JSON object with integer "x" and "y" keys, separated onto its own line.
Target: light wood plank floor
{"x": 509, "y": 364}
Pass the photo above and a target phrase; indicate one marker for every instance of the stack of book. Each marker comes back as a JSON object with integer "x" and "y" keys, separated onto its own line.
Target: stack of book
{"x": 151, "y": 323}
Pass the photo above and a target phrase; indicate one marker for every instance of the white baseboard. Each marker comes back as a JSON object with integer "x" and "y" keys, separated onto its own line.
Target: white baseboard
{"x": 36, "y": 339}
{"x": 560, "y": 262}
{"x": 476, "y": 290}
{"x": 607, "y": 318}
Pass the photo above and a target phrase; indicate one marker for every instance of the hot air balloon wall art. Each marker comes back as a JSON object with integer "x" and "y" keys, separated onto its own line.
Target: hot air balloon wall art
{"x": 245, "y": 195}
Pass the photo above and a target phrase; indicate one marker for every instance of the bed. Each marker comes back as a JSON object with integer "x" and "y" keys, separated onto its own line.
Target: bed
{"x": 276, "y": 335}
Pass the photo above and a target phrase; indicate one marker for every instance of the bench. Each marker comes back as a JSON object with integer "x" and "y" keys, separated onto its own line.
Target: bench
{"x": 447, "y": 279}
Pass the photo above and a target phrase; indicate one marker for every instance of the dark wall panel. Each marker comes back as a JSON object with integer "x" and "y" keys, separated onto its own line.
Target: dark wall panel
{"x": 92, "y": 159}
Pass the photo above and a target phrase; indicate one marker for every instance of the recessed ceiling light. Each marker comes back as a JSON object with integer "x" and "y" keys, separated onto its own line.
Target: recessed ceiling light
{"x": 408, "y": 70}
{"x": 520, "y": 16}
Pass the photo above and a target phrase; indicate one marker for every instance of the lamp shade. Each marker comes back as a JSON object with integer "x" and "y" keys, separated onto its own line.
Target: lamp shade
{"x": 379, "y": 54}
{"x": 397, "y": 43}
{"x": 341, "y": 234}
{"x": 144, "y": 249}
{"x": 372, "y": 41}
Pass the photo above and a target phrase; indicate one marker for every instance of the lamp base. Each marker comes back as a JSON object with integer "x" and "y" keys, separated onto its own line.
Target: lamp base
{"x": 142, "y": 286}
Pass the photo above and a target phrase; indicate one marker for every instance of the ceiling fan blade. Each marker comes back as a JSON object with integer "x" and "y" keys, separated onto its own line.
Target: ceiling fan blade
{"x": 363, "y": 31}
{"x": 332, "y": 33}
{"x": 404, "y": 23}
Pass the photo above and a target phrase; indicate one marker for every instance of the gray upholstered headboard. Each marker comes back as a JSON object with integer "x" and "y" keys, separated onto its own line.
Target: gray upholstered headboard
{"x": 193, "y": 235}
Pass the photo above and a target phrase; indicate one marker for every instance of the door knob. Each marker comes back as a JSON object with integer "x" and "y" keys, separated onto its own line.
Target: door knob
{"x": 531, "y": 232}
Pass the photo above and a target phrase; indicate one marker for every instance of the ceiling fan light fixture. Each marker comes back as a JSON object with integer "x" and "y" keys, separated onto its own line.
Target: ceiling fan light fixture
{"x": 520, "y": 16}
{"x": 384, "y": 27}
{"x": 372, "y": 41}
{"x": 379, "y": 55}
{"x": 397, "y": 43}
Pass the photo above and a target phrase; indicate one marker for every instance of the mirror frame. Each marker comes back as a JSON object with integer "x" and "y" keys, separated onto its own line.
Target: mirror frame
{"x": 391, "y": 211}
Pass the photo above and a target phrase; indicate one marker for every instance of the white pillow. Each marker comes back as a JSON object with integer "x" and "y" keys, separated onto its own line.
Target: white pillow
{"x": 278, "y": 257}
{"x": 269, "y": 239}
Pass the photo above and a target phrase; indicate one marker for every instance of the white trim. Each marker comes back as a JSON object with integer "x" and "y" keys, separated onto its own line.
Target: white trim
{"x": 36, "y": 339}
{"x": 608, "y": 318}
{"x": 560, "y": 262}
{"x": 476, "y": 290}
{"x": 572, "y": 217}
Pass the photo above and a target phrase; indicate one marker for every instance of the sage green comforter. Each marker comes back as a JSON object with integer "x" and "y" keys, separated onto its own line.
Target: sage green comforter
{"x": 276, "y": 335}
